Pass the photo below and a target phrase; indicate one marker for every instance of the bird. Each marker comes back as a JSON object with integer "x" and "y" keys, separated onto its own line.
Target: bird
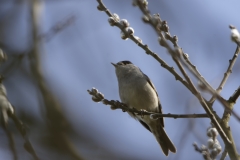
{"x": 137, "y": 91}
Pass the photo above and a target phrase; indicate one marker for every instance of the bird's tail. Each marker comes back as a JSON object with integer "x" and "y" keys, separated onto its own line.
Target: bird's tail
{"x": 164, "y": 141}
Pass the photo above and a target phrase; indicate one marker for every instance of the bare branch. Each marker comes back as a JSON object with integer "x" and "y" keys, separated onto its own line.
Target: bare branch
{"x": 226, "y": 74}
{"x": 176, "y": 56}
{"x": 224, "y": 102}
{"x": 175, "y": 116}
{"x": 156, "y": 22}
{"x": 23, "y": 131}
{"x": 99, "y": 97}
{"x": 11, "y": 143}
{"x": 57, "y": 124}
{"x": 7, "y": 111}
{"x": 235, "y": 95}
{"x": 231, "y": 149}
{"x": 58, "y": 27}
{"x": 224, "y": 154}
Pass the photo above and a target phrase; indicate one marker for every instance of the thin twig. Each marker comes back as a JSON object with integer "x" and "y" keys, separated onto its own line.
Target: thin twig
{"x": 11, "y": 143}
{"x": 235, "y": 95}
{"x": 226, "y": 74}
{"x": 55, "y": 29}
{"x": 224, "y": 154}
{"x": 188, "y": 62}
{"x": 23, "y": 131}
{"x": 156, "y": 22}
{"x": 224, "y": 102}
{"x": 175, "y": 116}
{"x": 99, "y": 97}
{"x": 175, "y": 55}
{"x": 231, "y": 149}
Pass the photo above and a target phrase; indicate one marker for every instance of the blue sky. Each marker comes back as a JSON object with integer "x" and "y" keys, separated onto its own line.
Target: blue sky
{"x": 79, "y": 58}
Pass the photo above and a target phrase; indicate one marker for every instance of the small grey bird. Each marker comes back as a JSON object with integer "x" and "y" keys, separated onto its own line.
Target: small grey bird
{"x": 136, "y": 90}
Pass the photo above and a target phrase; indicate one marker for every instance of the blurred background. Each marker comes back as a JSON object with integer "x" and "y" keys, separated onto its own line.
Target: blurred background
{"x": 57, "y": 50}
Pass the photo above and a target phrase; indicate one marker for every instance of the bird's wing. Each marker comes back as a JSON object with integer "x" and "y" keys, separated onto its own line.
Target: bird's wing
{"x": 159, "y": 104}
{"x": 144, "y": 125}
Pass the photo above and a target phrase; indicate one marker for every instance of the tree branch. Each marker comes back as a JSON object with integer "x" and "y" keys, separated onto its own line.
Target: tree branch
{"x": 23, "y": 131}
{"x": 224, "y": 154}
{"x": 224, "y": 102}
{"x": 56, "y": 28}
{"x": 235, "y": 95}
{"x": 226, "y": 74}
{"x": 176, "y": 56}
{"x": 99, "y": 97}
{"x": 58, "y": 125}
{"x": 6, "y": 112}
{"x": 11, "y": 143}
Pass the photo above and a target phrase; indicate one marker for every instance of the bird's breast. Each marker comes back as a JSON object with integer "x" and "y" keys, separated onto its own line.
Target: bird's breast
{"x": 140, "y": 96}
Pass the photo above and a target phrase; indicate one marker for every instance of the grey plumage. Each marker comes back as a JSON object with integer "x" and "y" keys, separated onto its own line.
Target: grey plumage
{"x": 136, "y": 90}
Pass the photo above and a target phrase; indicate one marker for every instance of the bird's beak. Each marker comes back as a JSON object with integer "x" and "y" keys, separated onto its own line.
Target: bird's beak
{"x": 115, "y": 65}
